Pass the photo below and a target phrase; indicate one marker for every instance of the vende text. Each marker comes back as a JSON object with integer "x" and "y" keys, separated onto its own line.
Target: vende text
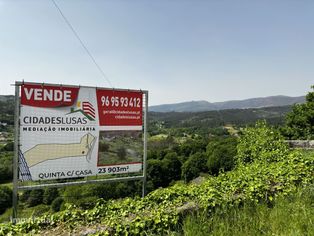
{"x": 39, "y": 94}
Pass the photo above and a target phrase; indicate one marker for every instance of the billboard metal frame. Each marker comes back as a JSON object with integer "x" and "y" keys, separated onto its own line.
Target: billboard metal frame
{"x": 17, "y": 186}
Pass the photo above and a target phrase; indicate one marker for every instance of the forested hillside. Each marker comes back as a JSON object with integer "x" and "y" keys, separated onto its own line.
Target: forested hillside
{"x": 201, "y": 167}
{"x": 213, "y": 121}
{"x": 197, "y": 106}
{"x": 274, "y": 115}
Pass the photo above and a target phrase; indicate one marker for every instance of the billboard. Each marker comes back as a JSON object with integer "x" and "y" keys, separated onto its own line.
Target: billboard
{"x": 74, "y": 131}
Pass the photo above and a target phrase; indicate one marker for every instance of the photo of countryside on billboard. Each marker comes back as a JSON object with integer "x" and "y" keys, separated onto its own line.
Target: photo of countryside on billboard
{"x": 120, "y": 147}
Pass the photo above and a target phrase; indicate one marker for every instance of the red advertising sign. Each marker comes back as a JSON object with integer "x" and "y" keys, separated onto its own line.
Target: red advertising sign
{"x": 71, "y": 131}
{"x": 119, "y": 108}
{"x": 48, "y": 96}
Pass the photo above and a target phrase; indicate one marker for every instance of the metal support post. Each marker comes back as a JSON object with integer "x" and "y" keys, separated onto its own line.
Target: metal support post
{"x": 16, "y": 152}
{"x": 145, "y": 146}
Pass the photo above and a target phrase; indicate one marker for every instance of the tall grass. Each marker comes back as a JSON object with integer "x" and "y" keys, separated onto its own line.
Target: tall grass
{"x": 291, "y": 215}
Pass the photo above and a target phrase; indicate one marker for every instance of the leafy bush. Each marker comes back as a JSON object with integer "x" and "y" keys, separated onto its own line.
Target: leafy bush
{"x": 75, "y": 194}
{"x": 56, "y": 204}
{"x": 35, "y": 197}
{"x": 87, "y": 202}
{"x": 9, "y": 147}
{"x": 6, "y": 173}
{"x": 39, "y": 210}
{"x": 162, "y": 210}
{"x": 261, "y": 143}
{"x": 72, "y": 194}
{"x": 25, "y": 195}
{"x": 5, "y": 198}
{"x": 49, "y": 195}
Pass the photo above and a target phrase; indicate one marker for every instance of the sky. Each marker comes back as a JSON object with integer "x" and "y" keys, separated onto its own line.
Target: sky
{"x": 178, "y": 50}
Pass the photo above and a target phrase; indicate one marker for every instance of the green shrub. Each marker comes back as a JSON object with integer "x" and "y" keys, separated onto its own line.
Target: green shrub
{"x": 72, "y": 194}
{"x": 56, "y": 204}
{"x": 35, "y": 197}
{"x": 9, "y": 147}
{"x": 87, "y": 202}
{"x": 6, "y": 173}
{"x": 161, "y": 211}
{"x": 25, "y": 195}
{"x": 5, "y": 198}
{"x": 261, "y": 143}
{"x": 49, "y": 195}
{"x": 39, "y": 210}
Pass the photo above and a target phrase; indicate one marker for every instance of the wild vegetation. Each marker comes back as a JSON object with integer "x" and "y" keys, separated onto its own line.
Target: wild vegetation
{"x": 174, "y": 153}
{"x": 271, "y": 173}
{"x": 245, "y": 169}
{"x": 213, "y": 122}
{"x": 300, "y": 121}
{"x": 289, "y": 215}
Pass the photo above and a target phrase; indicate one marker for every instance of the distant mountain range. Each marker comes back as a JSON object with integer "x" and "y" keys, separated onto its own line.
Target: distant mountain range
{"x": 197, "y": 106}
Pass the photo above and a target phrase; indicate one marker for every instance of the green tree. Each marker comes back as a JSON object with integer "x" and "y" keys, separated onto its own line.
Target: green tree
{"x": 221, "y": 154}
{"x": 192, "y": 146}
{"x": 171, "y": 166}
{"x": 300, "y": 121}
{"x": 155, "y": 172}
{"x": 194, "y": 166}
{"x": 261, "y": 143}
{"x": 161, "y": 172}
